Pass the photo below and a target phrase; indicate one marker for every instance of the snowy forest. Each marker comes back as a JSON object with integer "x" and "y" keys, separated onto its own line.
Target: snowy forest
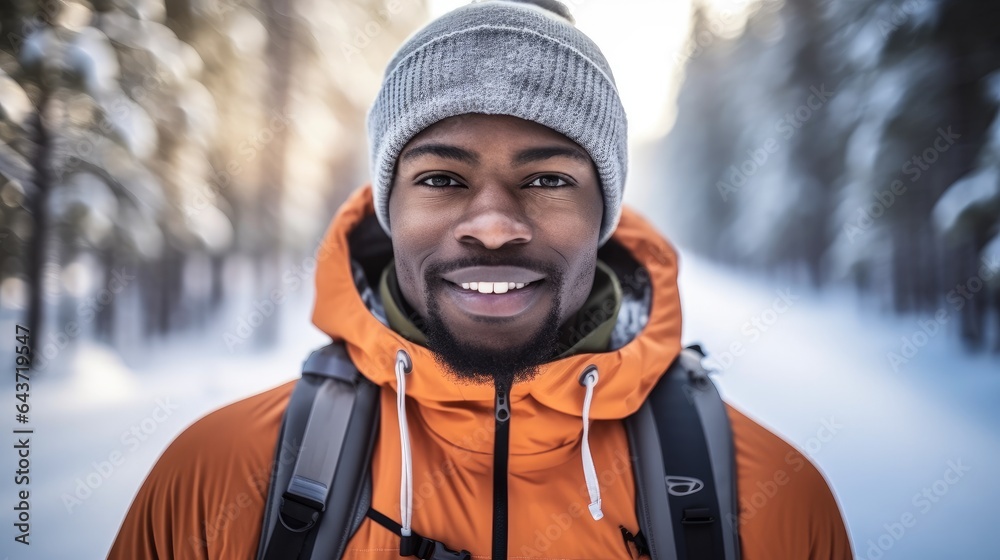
{"x": 168, "y": 167}
{"x": 173, "y": 147}
{"x": 846, "y": 143}
{"x": 190, "y": 149}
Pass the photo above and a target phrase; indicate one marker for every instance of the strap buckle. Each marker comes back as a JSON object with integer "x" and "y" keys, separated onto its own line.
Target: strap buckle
{"x": 427, "y": 549}
{"x": 637, "y": 540}
{"x": 297, "y": 515}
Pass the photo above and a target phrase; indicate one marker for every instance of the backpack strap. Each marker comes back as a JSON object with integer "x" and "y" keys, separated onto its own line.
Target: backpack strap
{"x": 416, "y": 545}
{"x": 320, "y": 490}
{"x": 685, "y": 469}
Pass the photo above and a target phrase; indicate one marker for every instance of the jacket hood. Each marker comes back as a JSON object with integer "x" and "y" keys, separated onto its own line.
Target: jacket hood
{"x": 646, "y": 339}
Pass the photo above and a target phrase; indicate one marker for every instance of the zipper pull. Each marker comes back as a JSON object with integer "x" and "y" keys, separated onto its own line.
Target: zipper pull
{"x": 502, "y": 407}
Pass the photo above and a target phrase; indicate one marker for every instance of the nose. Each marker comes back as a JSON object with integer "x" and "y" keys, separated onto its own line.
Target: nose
{"x": 495, "y": 217}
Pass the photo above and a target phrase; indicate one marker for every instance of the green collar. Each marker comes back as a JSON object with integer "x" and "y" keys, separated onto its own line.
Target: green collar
{"x": 588, "y": 330}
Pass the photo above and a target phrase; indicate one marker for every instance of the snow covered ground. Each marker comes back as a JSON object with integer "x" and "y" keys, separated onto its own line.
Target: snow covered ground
{"x": 911, "y": 449}
{"x": 100, "y": 429}
{"x": 813, "y": 367}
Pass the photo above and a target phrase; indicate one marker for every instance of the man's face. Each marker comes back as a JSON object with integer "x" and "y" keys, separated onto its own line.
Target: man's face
{"x": 495, "y": 224}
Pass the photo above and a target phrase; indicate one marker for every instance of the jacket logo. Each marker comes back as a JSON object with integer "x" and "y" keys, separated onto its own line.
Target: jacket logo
{"x": 683, "y": 485}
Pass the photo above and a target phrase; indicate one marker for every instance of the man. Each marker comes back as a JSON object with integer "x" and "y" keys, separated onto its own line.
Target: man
{"x": 498, "y": 147}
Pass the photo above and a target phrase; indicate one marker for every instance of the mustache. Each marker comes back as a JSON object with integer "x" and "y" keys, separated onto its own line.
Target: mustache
{"x": 436, "y": 270}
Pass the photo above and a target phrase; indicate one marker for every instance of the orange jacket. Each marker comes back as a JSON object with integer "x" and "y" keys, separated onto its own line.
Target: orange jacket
{"x": 205, "y": 496}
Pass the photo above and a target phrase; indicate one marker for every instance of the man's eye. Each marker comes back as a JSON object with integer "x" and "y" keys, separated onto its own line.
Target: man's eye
{"x": 440, "y": 181}
{"x": 549, "y": 181}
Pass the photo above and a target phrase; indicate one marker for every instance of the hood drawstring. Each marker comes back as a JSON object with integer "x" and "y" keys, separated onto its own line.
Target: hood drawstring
{"x": 403, "y": 366}
{"x": 589, "y": 379}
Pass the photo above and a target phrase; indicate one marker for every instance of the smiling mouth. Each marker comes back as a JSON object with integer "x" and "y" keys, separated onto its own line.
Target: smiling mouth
{"x": 486, "y": 301}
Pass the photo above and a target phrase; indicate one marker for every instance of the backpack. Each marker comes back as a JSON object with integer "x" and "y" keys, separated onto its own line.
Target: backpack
{"x": 680, "y": 442}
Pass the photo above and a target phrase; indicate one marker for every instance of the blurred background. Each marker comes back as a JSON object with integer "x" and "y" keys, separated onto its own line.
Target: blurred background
{"x": 829, "y": 171}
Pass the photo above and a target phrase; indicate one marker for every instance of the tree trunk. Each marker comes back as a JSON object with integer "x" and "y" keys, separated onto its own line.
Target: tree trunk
{"x": 106, "y": 312}
{"x": 38, "y": 206}
{"x": 280, "y": 22}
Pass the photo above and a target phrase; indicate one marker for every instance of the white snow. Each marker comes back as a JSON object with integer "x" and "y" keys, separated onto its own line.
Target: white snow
{"x": 82, "y": 415}
{"x": 212, "y": 227}
{"x": 825, "y": 359}
{"x": 14, "y": 103}
{"x": 131, "y": 122}
{"x": 92, "y": 57}
{"x": 967, "y": 193}
{"x": 39, "y": 46}
{"x": 991, "y": 251}
{"x": 992, "y": 82}
{"x": 200, "y": 113}
{"x": 828, "y": 358}
{"x": 84, "y": 190}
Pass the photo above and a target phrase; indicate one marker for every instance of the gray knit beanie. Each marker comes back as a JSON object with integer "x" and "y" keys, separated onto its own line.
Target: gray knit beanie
{"x": 501, "y": 58}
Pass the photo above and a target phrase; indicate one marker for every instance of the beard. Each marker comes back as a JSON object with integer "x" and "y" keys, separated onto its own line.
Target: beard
{"x": 480, "y": 363}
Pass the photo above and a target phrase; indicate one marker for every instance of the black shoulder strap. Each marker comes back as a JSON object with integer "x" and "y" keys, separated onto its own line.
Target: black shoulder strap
{"x": 685, "y": 466}
{"x": 319, "y": 491}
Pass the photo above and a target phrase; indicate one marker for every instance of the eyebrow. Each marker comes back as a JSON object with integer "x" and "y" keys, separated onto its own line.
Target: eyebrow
{"x": 445, "y": 151}
{"x": 524, "y": 157}
{"x": 533, "y": 155}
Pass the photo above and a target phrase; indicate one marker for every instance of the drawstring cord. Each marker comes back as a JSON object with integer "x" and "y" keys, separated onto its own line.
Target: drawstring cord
{"x": 410, "y": 543}
{"x": 403, "y": 367}
{"x": 589, "y": 380}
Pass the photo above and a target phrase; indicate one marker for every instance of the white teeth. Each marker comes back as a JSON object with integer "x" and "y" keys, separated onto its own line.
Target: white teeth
{"x": 493, "y": 287}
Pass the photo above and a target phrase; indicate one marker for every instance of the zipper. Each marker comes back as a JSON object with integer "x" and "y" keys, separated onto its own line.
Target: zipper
{"x": 501, "y": 448}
